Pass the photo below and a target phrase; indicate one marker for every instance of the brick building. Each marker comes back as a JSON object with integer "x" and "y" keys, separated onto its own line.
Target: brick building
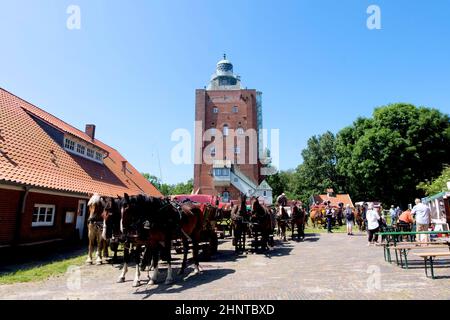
{"x": 228, "y": 138}
{"x": 48, "y": 170}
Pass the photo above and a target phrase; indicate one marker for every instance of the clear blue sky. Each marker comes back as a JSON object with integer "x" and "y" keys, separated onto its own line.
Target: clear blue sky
{"x": 134, "y": 66}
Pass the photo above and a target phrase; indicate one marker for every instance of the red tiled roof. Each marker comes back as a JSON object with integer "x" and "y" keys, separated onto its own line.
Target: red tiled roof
{"x": 29, "y": 156}
{"x": 335, "y": 200}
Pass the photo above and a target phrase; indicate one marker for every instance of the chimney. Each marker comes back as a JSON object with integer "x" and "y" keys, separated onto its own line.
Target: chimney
{"x": 124, "y": 167}
{"x": 90, "y": 131}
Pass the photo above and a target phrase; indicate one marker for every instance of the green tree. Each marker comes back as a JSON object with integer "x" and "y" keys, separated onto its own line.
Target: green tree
{"x": 385, "y": 157}
{"x": 437, "y": 185}
{"x": 154, "y": 180}
{"x": 281, "y": 182}
{"x": 168, "y": 189}
{"x": 183, "y": 188}
{"x": 318, "y": 170}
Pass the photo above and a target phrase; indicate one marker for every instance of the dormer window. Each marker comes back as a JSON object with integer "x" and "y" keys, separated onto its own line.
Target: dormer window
{"x": 215, "y": 110}
{"x": 90, "y": 153}
{"x": 69, "y": 144}
{"x": 98, "y": 156}
{"x": 83, "y": 149}
{"x": 235, "y": 109}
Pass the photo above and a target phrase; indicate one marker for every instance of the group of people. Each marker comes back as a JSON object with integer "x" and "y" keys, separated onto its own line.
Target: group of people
{"x": 420, "y": 214}
{"x": 374, "y": 219}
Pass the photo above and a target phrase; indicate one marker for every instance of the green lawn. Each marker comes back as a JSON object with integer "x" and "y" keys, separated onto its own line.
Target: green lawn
{"x": 42, "y": 271}
{"x": 335, "y": 229}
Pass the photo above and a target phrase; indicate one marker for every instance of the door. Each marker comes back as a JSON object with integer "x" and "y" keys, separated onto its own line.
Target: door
{"x": 226, "y": 196}
{"x": 81, "y": 217}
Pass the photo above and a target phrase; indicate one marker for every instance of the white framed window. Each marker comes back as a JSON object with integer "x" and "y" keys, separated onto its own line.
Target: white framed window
{"x": 90, "y": 153}
{"x": 69, "y": 144}
{"x": 235, "y": 109}
{"x": 43, "y": 215}
{"x": 237, "y": 150}
{"x": 225, "y": 130}
{"x": 215, "y": 110}
{"x": 81, "y": 149}
{"x": 240, "y": 131}
{"x": 221, "y": 172}
{"x": 99, "y": 156}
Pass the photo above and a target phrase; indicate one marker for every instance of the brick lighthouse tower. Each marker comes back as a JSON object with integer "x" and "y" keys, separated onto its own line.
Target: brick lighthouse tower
{"x": 228, "y": 138}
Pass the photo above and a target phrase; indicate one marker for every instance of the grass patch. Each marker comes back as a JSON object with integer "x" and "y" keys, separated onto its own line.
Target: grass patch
{"x": 42, "y": 271}
{"x": 335, "y": 229}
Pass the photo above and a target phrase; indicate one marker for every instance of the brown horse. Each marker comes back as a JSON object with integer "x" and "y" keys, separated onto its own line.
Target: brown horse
{"x": 262, "y": 223}
{"x": 283, "y": 220}
{"x": 316, "y": 216}
{"x": 298, "y": 221}
{"x": 239, "y": 223}
{"x": 96, "y": 229}
{"x": 359, "y": 219}
{"x": 154, "y": 223}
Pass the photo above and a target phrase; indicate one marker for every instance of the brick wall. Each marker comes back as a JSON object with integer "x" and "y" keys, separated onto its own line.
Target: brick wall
{"x": 9, "y": 200}
{"x": 245, "y": 118}
{"x": 59, "y": 229}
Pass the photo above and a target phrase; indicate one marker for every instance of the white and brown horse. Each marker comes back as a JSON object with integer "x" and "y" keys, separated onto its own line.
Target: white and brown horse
{"x": 96, "y": 230}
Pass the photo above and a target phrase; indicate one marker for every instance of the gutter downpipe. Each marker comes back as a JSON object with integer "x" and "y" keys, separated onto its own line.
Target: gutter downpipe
{"x": 20, "y": 212}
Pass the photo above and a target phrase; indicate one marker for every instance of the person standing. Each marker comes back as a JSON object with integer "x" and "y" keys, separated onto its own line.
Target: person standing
{"x": 329, "y": 216}
{"x": 373, "y": 226}
{"x": 282, "y": 200}
{"x": 393, "y": 214}
{"x": 350, "y": 218}
{"x": 405, "y": 221}
{"x": 423, "y": 219}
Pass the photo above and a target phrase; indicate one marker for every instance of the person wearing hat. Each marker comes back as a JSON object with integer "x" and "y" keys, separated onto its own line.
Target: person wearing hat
{"x": 282, "y": 200}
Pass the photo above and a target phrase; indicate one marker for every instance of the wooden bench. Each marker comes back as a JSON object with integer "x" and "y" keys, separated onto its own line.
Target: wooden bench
{"x": 428, "y": 256}
{"x": 402, "y": 250}
{"x": 387, "y": 246}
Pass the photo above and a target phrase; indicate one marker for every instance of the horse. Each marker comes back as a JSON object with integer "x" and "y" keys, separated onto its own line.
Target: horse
{"x": 96, "y": 230}
{"x": 153, "y": 223}
{"x": 262, "y": 223}
{"x": 359, "y": 219}
{"x": 282, "y": 220}
{"x": 209, "y": 218}
{"x": 317, "y": 217}
{"x": 111, "y": 226}
{"x": 298, "y": 221}
{"x": 239, "y": 222}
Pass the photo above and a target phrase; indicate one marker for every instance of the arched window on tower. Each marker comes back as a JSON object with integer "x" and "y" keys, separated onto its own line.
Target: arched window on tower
{"x": 225, "y": 130}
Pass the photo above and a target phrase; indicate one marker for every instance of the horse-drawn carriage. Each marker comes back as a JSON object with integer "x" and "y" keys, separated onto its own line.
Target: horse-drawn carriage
{"x": 208, "y": 236}
{"x": 252, "y": 220}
